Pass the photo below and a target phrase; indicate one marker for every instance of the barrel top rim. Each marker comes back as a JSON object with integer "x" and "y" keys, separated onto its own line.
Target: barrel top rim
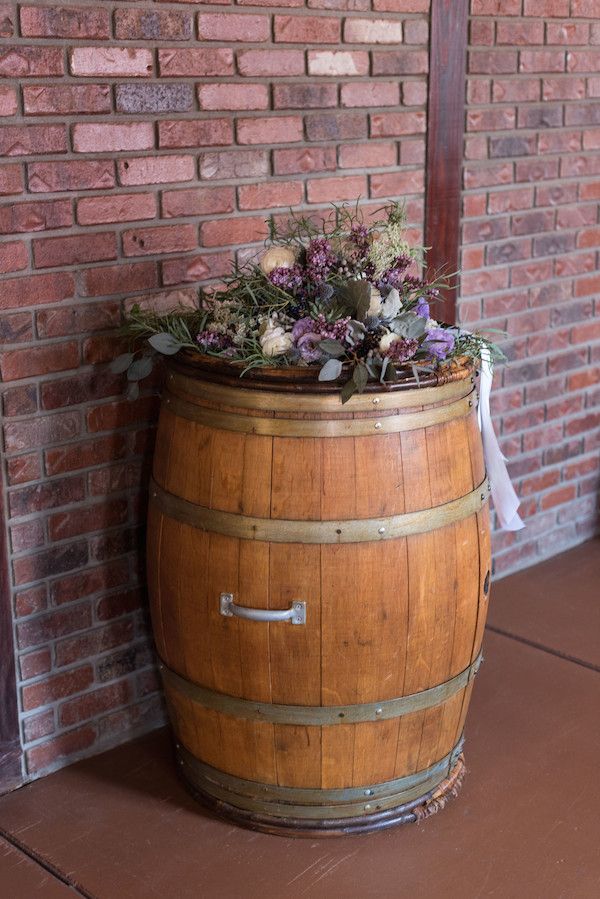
{"x": 298, "y": 379}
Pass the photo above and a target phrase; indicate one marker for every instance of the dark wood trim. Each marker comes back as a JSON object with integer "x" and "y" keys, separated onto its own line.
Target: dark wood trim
{"x": 445, "y": 134}
{"x": 10, "y": 743}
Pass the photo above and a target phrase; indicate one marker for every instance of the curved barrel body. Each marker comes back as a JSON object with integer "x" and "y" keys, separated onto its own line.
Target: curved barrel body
{"x": 318, "y": 580}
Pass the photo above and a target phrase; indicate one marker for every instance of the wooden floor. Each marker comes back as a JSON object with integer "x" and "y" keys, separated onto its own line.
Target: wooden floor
{"x": 526, "y": 825}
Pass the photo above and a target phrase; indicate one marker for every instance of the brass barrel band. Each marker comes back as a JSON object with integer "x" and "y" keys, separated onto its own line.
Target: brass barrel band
{"x": 314, "y": 803}
{"x": 319, "y": 715}
{"x": 329, "y": 427}
{"x": 271, "y": 401}
{"x": 281, "y": 530}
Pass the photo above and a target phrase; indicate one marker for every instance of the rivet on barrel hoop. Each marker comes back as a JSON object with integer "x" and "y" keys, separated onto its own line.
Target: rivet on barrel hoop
{"x": 378, "y": 425}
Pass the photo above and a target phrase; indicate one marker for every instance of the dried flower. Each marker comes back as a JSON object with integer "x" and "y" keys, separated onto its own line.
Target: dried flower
{"x": 439, "y": 342}
{"x": 398, "y": 349}
{"x": 277, "y": 257}
{"x": 274, "y": 340}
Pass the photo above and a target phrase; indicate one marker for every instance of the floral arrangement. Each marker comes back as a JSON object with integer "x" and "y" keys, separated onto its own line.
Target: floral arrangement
{"x": 346, "y": 297}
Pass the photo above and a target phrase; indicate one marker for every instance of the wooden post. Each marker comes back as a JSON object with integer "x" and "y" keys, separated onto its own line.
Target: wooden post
{"x": 445, "y": 135}
{"x": 10, "y": 743}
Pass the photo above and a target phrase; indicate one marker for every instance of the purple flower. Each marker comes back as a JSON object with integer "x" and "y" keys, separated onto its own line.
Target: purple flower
{"x": 422, "y": 307}
{"x": 301, "y": 327}
{"x": 439, "y": 342}
{"x": 289, "y": 279}
{"x": 209, "y": 340}
{"x": 402, "y": 350}
{"x": 308, "y": 345}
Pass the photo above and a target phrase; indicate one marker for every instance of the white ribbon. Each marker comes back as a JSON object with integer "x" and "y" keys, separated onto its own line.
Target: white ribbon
{"x": 506, "y": 501}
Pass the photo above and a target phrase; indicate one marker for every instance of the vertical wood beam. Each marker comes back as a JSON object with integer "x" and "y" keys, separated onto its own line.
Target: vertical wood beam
{"x": 10, "y": 743}
{"x": 445, "y": 135}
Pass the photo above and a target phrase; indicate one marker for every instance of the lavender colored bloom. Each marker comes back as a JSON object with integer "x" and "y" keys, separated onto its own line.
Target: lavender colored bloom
{"x": 402, "y": 350}
{"x": 422, "y": 307}
{"x": 289, "y": 279}
{"x": 210, "y": 340}
{"x": 308, "y": 346}
{"x": 301, "y": 327}
{"x": 439, "y": 342}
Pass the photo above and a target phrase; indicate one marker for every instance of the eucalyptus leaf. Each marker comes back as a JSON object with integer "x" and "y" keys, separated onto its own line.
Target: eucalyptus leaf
{"x": 360, "y": 377}
{"x": 384, "y": 365}
{"x": 356, "y": 296}
{"x": 133, "y": 390}
{"x": 348, "y": 390}
{"x": 391, "y": 305}
{"x": 121, "y": 363}
{"x": 165, "y": 343}
{"x": 139, "y": 369}
{"x": 332, "y": 347}
{"x": 331, "y": 370}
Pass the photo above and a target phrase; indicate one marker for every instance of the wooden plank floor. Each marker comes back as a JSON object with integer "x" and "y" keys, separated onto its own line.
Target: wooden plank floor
{"x": 120, "y": 826}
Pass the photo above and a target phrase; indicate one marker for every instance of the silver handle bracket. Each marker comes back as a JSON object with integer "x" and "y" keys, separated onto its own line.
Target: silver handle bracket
{"x": 296, "y": 614}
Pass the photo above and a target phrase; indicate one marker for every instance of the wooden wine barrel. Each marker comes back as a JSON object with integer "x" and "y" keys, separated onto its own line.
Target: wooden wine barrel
{"x": 318, "y": 577}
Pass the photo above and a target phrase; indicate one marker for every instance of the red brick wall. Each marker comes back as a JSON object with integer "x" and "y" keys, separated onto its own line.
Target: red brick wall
{"x": 143, "y": 146}
{"x": 531, "y": 237}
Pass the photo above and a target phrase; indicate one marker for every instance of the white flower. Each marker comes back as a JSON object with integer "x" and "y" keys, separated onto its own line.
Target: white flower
{"x": 431, "y": 323}
{"x": 387, "y": 340}
{"x": 375, "y": 303}
{"x": 277, "y": 257}
{"x": 274, "y": 340}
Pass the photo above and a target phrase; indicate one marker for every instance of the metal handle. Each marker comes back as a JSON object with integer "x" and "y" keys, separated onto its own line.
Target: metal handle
{"x": 296, "y": 612}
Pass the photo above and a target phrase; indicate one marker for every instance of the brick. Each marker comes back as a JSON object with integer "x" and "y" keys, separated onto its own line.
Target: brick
{"x": 481, "y": 33}
{"x": 115, "y": 62}
{"x": 513, "y": 145}
{"x": 414, "y": 93}
{"x": 117, "y": 543}
{"x": 108, "y": 137}
{"x": 64, "y": 746}
{"x": 151, "y": 25}
{"x": 57, "y": 687}
{"x": 358, "y": 156}
{"x": 305, "y": 96}
{"x": 13, "y": 258}
{"x": 95, "y": 517}
{"x": 116, "y": 208}
{"x": 338, "y": 62}
{"x": 239, "y": 230}
{"x": 79, "y": 174}
{"x": 306, "y": 29}
{"x": 125, "y": 475}
{"x": 65, "y": 21}
{"x": 75, "y": 249}
{"x": 390, "y": 124}
{"x": 416, "y": 31}
{"x": 502, "y": 119}
{"x": 33, "y": 664}
{"x": 193, "y": 62}
{"x": 7, "y": 20}
{"x": 269, "y": 63}
{"x": 30, "y": 140}
{"x": 272, "y": 193}
{"x": 496, "y": 7}
{"x": 197, "y": 201}
{"x": 77, "y": 586}
{"x": 120, "y": 414}
{"x": 139, "y": 98}
{"x": 397, "y": 184}
{"x": 28, "y": 291}
{"x": 372, "y": 31}
{"x": 118, "y": 604}
{"x": 400, "y": 62}
{"x": 330, "y": 189}
{"x": 557, "y": 497}
{"x": 585, "y": 8}
{"x": 20, "y": 400}
{"x": 525, "y": 32}
{"x": 11, "y": 180}
{"x": 302, "y": 160}
{"x": 546, "y": 8}
{"x": 195, "y": 133}
{"x": 235, "y": 164}
{"x": 232, "y": 27}
{"x": 124, "y": 662}
{"x": 233, "y": 96}
{"x": 38, "y": 216}
{"x": 31, "y": 62}
{"x": 37, "y": 726}
{"x": 118, "y": 279}
{"x": 27, "y": 536}
{"x": 189, "y": 269}
{"x": 542, "y": 61}
{"x": 273, "y": 130}
{"x": 92, "y": 704}
{"x": 37, "y": 566}
{"x": 28, "y": 602}
{"x": 372, "y": 93}
{"x": 80, "y": 319}
{"x": 8, "y": 101}
{"x": 16, "y": 364}
{"x": 166, "y": 239}
{"x": 515, "y": 89}
{"x": 56, "y": 623}
{"x": 50, "y": 99}
{"x": 493, "y": 62}
{"x": 155, "y": 169}
{"x": 568, "y": 33}
{"x": 336, "y": 126}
